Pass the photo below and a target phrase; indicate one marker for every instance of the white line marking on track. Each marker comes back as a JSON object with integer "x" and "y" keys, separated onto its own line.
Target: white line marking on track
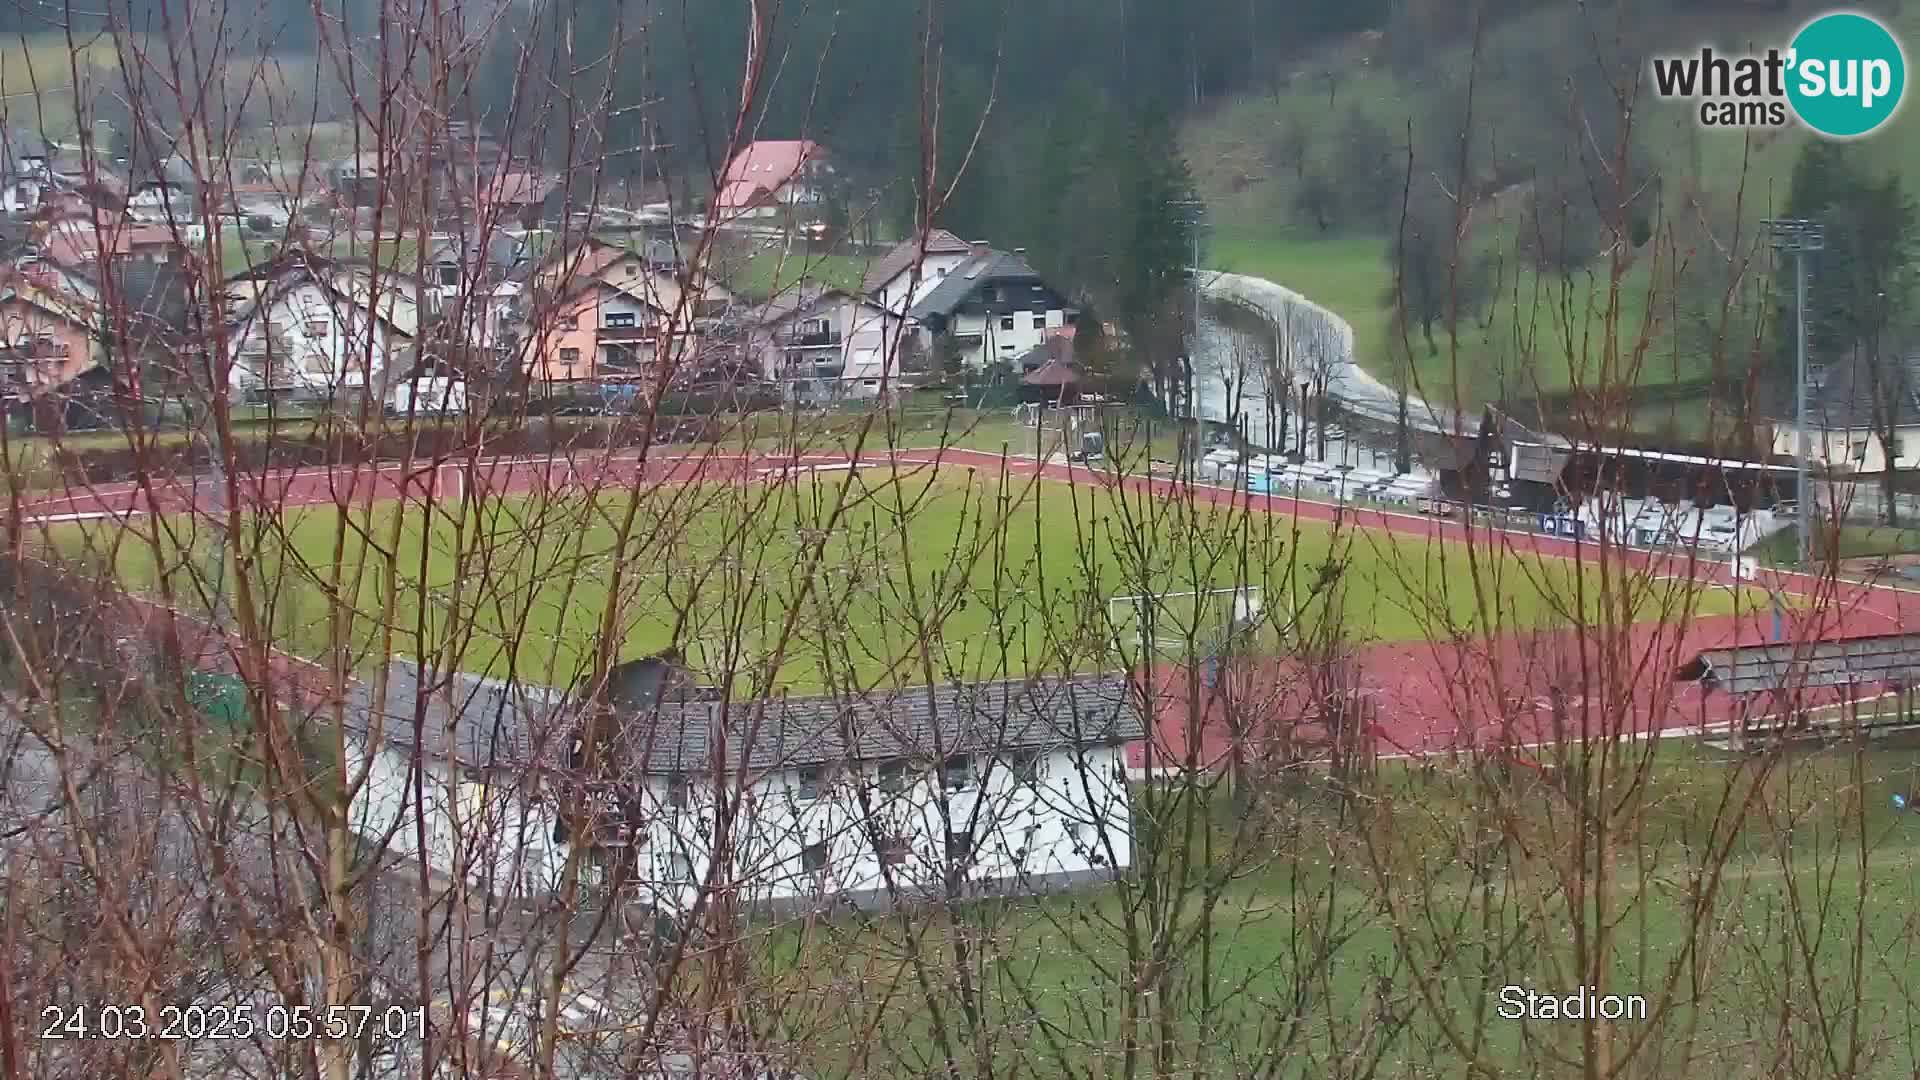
{"x": 89, "y": 515}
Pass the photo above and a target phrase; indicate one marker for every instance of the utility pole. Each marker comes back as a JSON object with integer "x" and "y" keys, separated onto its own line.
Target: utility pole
{"x": 1800, "y": 236}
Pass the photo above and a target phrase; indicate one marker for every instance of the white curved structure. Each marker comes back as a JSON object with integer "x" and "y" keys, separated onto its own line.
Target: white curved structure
{"x": 1322, "y": 344}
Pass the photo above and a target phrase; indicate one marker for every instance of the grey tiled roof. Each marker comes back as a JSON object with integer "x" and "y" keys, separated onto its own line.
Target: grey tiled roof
{"x": 914, "y": 722}
{"x": 962, "y": 280}
{"x": 903, "y": 255}
{"x": 473, "y": 719}
{"x": 490, "y": 721}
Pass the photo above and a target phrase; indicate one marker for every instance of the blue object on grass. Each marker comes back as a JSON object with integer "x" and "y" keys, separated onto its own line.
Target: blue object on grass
{"x": 1899, "y": 802}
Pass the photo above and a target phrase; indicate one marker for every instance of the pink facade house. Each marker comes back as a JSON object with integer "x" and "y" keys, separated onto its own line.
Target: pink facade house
{"x": 606, "y": 311}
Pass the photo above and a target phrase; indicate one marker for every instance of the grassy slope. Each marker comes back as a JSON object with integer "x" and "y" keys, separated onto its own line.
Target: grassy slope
{"x": 1259, "y": 914}
{"x": 1348, "y": 270}
{"x": 1022, "y": 580}
{"x": 770, "y": 271}
{"x": 37, "y": 77}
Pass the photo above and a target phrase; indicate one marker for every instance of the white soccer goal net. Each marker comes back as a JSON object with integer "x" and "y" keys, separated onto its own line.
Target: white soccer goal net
{"x": 1165, "y": 623}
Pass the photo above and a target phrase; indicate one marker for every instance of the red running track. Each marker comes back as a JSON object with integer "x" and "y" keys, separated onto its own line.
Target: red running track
{"x": 1425, "y": 696}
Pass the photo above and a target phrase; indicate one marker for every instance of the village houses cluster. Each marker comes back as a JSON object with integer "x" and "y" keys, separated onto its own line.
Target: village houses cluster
{"x": 997, "y": 786}
{"x": 518, "y": 282}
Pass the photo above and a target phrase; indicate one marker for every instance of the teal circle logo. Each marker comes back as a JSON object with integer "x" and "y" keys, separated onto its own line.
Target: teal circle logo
{"x": 1846, "y": 74}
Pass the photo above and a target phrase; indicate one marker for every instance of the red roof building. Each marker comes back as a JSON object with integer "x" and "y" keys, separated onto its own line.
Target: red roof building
{"x": 786, "y": 171}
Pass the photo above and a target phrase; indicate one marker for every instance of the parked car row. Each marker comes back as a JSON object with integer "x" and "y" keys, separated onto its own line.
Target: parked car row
{"x": 1278, "y": 474}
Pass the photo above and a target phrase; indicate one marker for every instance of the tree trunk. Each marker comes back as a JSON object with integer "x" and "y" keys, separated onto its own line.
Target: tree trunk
{"x": 1402, "y": 436}
{"x": 1889, "y": 477}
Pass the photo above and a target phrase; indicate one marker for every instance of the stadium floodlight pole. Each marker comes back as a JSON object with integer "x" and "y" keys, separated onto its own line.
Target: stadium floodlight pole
{"x": 1800, "y": 236}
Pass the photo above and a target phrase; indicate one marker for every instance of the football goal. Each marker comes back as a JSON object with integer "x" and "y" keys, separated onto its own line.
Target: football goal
{"x": 1163, "y": 624}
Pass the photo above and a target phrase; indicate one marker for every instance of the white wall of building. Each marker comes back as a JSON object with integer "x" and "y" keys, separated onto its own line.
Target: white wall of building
{"x": 160, "y": 204}
{"x": 323, "y": 341}
{"x": 1857, "y": 449}
{"x": 868, "y": 352}
{"x": 1003, "y": 337}
{"x": 901, "y": 293}
{"x": 22, "y": 194}
{"x": 484, "y": 829}
{"x": 1070, "y": 824}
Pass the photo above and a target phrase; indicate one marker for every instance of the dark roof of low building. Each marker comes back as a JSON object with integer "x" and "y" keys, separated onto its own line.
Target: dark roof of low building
{"x": 1510, "y": 430}
{"x": 155, "y": 294}
{"x": 962, "y": 280}
{"x": 1053, "y": 373}
{"x": 472, "y": 719}
{"x": 1438, "y": 450}
{"x": 479, "y": 721}
{"x": 905, "y": 253}
{"x": 795, "y": 300}
{"x": 918, "y": 722}
{"x": 1057, "y": 349}
{"x": 1844, "y": 397}
{"x": 17, "y": 144}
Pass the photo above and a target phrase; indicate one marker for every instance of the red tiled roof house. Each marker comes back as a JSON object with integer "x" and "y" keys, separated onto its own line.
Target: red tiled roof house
{"x": 772, "y": 174}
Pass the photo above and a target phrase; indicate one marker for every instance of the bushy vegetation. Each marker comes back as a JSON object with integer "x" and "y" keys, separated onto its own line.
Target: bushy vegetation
{"x": 1300, "y": 170}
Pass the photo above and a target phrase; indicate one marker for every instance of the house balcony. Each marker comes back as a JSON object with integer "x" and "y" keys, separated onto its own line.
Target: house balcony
{"x": 801, "y": 368}
{"x": 624, "y": 361}
{"x": 627, "y": 335}
{"x": 814, "y": 339}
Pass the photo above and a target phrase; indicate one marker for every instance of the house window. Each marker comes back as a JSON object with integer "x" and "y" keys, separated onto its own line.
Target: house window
{"x": 1896, "y": 448}
{"x": 316, "y": 328}
{"x": 571, "y": 321}
{"x": 633, "y": 268}
{"x": 892, "y": 850}
{"x": 1025, "y": 766}
{"x": 1006, "y": 322}
{"x": 569, "y": 357}
{"x": 449, "y": 274}
{"x": 893, "y": 777}
{"x": 1860, "y": 450}
{"x": 679, "y": 790}
{"x": 810, "y": 778}
{"x": 956, "y": 774}
{"x": 813, "y": 857}
{"x": 620, "y": 318}
{"x": 1039, "y": 320}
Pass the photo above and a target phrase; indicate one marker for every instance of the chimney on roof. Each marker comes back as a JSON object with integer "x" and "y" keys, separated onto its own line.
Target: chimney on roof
{"x": 979, "y": 248}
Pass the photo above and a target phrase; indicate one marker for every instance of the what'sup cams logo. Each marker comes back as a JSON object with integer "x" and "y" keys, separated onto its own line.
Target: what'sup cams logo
{"x": 1843, "y": 76}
